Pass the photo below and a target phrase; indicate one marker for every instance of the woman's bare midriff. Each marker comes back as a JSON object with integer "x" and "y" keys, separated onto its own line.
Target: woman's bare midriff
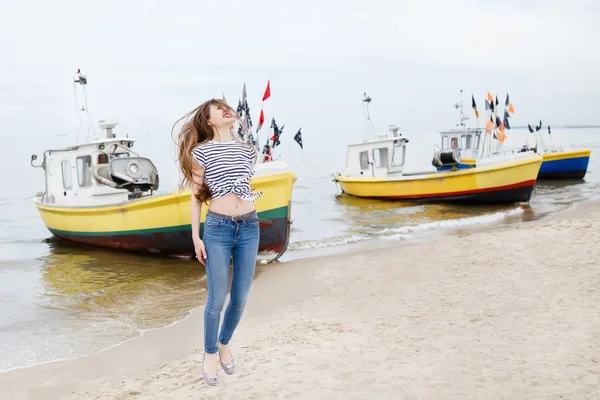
{"x": 231, "y": 204}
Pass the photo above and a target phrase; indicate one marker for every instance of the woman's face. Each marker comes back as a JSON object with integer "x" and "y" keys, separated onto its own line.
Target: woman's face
{"x": 220, "y": 116}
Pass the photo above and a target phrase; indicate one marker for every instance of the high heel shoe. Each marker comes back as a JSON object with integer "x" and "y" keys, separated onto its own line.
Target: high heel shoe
{"x": 229, "y": 367}
{"x": 211, "y": 379}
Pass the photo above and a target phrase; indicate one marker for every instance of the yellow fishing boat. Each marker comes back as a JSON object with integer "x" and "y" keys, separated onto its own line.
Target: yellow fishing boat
{"x": 375, "y": 169}
{"x": 102, "y": 193}
{"x": 557, "y": 162}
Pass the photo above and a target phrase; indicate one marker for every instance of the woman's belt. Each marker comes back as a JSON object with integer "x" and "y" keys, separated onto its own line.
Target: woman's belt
{"x": 243, "y": 217}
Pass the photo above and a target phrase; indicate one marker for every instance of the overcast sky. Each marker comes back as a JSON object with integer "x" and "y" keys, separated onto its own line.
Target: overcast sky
{"x": 149, "y": 62}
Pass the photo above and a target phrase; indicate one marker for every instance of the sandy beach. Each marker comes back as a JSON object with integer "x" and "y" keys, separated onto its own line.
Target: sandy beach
{"x": 506, "y": 313}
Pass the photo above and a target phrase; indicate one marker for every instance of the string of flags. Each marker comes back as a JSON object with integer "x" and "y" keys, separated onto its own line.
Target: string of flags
{"x": 245, "y": 128}
{"x": 494, "y": 125}
{"x": 537, "y": 127}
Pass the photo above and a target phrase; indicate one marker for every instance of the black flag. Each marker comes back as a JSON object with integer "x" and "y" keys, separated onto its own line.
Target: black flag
{"x": 530, "y": 128}
{"x": 276, "y": 133}
{"x": 298, "y": 138}
{"x": 549, "y": 130}
{"x": 267, "y": 151}
{"x": 247, "y": 111}
{"x": 252, "y": 140}
{"x": 506, "y": 124}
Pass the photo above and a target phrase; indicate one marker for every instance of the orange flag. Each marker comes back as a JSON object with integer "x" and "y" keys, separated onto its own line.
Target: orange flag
{"x": 488, "y": 126}
{"x": 490, "y": 98}
{"x": 511, "y": 109}
{"x": 502, "y": 137}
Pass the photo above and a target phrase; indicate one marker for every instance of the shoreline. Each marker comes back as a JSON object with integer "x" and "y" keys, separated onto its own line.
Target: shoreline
{"x": 304, "y": 254}
{"x": 345, "y": 250}
{"x": 423, "y": 236}
{"x": 45, "y": 380}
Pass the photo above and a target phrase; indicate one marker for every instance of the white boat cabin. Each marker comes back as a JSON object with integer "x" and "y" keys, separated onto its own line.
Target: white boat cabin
{"x": 466, "y": 142}
{"x": 96, "y": 173}
{"x": 377, "y": 158}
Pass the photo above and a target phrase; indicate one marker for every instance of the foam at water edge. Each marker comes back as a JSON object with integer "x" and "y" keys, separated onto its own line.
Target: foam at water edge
{"x": 335, "y": 241}
{"x": 399, "y": 236}
{"x": 455, "y": 223}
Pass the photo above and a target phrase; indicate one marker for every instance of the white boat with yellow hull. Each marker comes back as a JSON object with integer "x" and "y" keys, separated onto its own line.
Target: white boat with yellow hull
{"x": 557, "y": 162}
{"x": 375, "y": 169}
{"x": 102, "y": 193}
{"x": 80, "y": 208}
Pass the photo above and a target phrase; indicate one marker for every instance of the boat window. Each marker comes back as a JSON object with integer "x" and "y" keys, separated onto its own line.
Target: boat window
{"x": 444, "y": 142}
{"x": 381, "y": 157}
{"x": 454, "y": 143}
{"x": 398, "y": 156}
{"x": 102, "y": 158}
{"x": 84, "y": 171}
{"x": 67, "y": 175}
{"x": 364, "y": 160}
{"x": 477, "y": 140}
{"x": 469, "y": 140}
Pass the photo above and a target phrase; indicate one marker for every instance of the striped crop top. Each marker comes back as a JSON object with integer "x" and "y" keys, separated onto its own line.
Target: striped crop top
{"x": 227, "y": 168}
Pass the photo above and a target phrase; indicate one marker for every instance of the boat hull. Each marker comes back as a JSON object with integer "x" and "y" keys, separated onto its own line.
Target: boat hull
{"x": 160, "y": 224}
{"x": 565, "y": 165}
{"x": 561, "y": 165}
{"x": 501, "y": 183}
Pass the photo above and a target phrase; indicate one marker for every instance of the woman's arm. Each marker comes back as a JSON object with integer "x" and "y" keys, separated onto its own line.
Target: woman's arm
{"x": 195, "y": 205}
{"x": 195, "y": 212}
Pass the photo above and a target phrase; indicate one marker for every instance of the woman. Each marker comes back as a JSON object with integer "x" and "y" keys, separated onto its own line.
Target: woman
{"x": 219, "y": 168}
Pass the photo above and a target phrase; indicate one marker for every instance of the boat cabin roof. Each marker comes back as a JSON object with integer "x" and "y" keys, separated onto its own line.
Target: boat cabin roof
{"x": 462, "y": 131}
{"x": 378, "y": 142}
{"x": 95, "y": 143}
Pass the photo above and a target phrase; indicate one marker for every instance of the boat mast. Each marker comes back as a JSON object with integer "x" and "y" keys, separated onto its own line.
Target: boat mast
{"x": 78, "y": 77}
{"x": 459, "y": 106}
{"x": 370, "y": 128}
{"x": 485, "y": 134}
{"x": 462, "y": 125}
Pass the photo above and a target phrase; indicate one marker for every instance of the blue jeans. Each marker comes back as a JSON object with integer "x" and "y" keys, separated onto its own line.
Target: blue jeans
{"x": 224, "y": 239}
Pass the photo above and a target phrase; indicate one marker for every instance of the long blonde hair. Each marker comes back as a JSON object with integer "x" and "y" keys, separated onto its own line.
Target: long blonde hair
{"x": 193, "y": 132}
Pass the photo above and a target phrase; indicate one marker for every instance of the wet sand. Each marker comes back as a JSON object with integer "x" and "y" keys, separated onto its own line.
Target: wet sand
{"x": 511, "y": 312}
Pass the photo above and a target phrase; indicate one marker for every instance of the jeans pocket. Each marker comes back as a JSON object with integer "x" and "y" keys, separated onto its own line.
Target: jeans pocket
{"x": 252, "y": 226}
{"x": 214, "y": 223}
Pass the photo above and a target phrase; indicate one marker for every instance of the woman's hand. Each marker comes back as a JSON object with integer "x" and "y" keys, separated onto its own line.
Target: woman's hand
{"x": 200, "y": 250}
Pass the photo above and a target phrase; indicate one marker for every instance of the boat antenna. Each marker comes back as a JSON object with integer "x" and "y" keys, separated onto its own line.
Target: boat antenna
{"x": 459, "y": 106}
{"x": 78, "y": 77}
{"x": 370, "y": 128}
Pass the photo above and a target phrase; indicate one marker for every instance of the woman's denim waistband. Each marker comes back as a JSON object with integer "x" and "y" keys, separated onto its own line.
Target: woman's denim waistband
{"x": 250, "y": 216}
